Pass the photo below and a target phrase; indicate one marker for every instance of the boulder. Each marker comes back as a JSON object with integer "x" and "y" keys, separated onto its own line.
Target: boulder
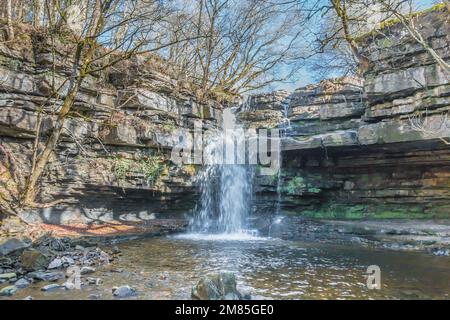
{"x": 7, "y": 276}
{"x": 12, "y": 245}
{"x": 216, "y": 286}
{"x": 22, "y": 283}
{"x": 8, "y": 291}
{"x": 33, "y": 260}
{"x": 123, "y": 292}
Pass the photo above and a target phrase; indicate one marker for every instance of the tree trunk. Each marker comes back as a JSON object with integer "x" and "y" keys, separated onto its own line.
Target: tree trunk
{"x": 41, "y": 162}
{"x": 78, "y": 75}
{"x": 39, "y": 10}
{"x": 9, "y": 20}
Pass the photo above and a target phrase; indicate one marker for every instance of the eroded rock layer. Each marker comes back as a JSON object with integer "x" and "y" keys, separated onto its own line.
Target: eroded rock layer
{"x": 376, "y": 146}
{"x": 113, "y": 157}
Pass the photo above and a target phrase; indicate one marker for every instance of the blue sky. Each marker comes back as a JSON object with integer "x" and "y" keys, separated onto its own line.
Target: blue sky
{"x": 305, "y": 76}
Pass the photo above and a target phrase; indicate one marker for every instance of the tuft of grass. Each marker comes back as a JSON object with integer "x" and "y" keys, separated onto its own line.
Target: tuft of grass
{"x": 151, "y": 167}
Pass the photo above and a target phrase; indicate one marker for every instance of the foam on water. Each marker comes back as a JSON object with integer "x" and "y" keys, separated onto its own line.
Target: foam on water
{"x": 239, "y": 236}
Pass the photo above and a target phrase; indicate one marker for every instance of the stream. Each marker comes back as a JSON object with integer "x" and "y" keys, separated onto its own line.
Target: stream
{"x": 168, "y": 267}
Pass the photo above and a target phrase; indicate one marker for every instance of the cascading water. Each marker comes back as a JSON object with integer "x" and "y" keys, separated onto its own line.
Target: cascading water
{"x": 285, "y": 126}
{"x": 225, "y": 182}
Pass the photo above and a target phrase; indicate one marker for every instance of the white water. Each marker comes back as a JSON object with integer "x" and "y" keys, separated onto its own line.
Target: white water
{"x": 226, "y": 186}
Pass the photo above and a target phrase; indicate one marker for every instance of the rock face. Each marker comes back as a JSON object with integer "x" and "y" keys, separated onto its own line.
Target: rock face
{"x": 216, "y": 286}
{"x": 113, "y": 156}
{"x": 371, "y": 147}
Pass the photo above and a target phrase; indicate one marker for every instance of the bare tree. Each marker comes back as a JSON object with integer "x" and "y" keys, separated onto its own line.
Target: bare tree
{"x": 95, "y": 46}
{"x": 240, "y": 44}
{"x": 409, "y": 20}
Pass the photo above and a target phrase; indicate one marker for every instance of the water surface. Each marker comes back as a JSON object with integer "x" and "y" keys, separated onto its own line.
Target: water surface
{"x": 166, "y": 268}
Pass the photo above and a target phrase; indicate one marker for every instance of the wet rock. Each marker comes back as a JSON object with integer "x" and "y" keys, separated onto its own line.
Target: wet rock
{"x": 33, "y": 260}
{"x": 8, "y": 291}
{"x": 123, "y": 292}
{"x": 87, "y": 270}
{"x": 46, "y": 276}
{"x": 7, "y": 276}
{"x": 22, "y": 283}
{"x": 216, "y": 286}
{"x": 12, "y": 245}
{"x": 51, "y": 287}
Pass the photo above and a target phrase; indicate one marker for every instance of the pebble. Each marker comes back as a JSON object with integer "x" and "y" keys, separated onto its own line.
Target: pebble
{"x": 96, "y": 281}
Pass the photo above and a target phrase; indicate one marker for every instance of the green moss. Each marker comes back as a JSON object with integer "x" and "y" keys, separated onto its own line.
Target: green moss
{"x": 360, "y": 211}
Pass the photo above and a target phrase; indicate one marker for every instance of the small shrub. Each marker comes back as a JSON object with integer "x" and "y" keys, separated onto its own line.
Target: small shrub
{"x": 152, "y": 168}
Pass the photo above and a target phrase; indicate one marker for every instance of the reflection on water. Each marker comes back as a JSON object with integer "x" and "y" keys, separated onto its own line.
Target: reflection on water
{"x": 166, "y": 268}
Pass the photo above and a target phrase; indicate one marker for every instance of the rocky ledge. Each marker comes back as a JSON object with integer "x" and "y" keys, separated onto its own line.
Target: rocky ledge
{"x": 370, "y": 147}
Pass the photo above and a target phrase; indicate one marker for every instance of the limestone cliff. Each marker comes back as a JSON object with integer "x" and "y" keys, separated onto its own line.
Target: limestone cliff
{"x": 371, "y": 147}
{"x": 112, "y": 161}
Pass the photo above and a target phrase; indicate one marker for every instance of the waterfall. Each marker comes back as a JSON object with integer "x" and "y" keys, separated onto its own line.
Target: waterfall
{"x": 225, "y": 181}
{"x": 284, "y": 126}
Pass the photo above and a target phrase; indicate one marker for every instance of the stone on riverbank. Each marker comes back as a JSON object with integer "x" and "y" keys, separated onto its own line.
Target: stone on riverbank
{"x": 22, "y": 283}
{"x": 123, "y": 292}
{"x": 46, "y": 276}
{"x": 87, "y": 270}
{"x": 12, "y": 245}
{"x": 8, "y": 291}
{"x": 51, "y": 287}
{"x": 7, "y": 276}
{"x": 217, "y": 286}
{"x": 33, "y": 260}
{"x": 55, "y": 264}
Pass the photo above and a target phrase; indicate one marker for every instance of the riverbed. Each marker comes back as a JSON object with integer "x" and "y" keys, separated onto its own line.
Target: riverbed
{"x": 168, "y": 267}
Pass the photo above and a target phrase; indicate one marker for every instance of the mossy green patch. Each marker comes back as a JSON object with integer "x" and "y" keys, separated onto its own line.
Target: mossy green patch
{"x": 384, "y": 211}
{"x": 151, "y": 167}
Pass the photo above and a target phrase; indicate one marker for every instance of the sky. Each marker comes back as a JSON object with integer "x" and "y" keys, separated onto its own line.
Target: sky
{"x": 305, "y": 77}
